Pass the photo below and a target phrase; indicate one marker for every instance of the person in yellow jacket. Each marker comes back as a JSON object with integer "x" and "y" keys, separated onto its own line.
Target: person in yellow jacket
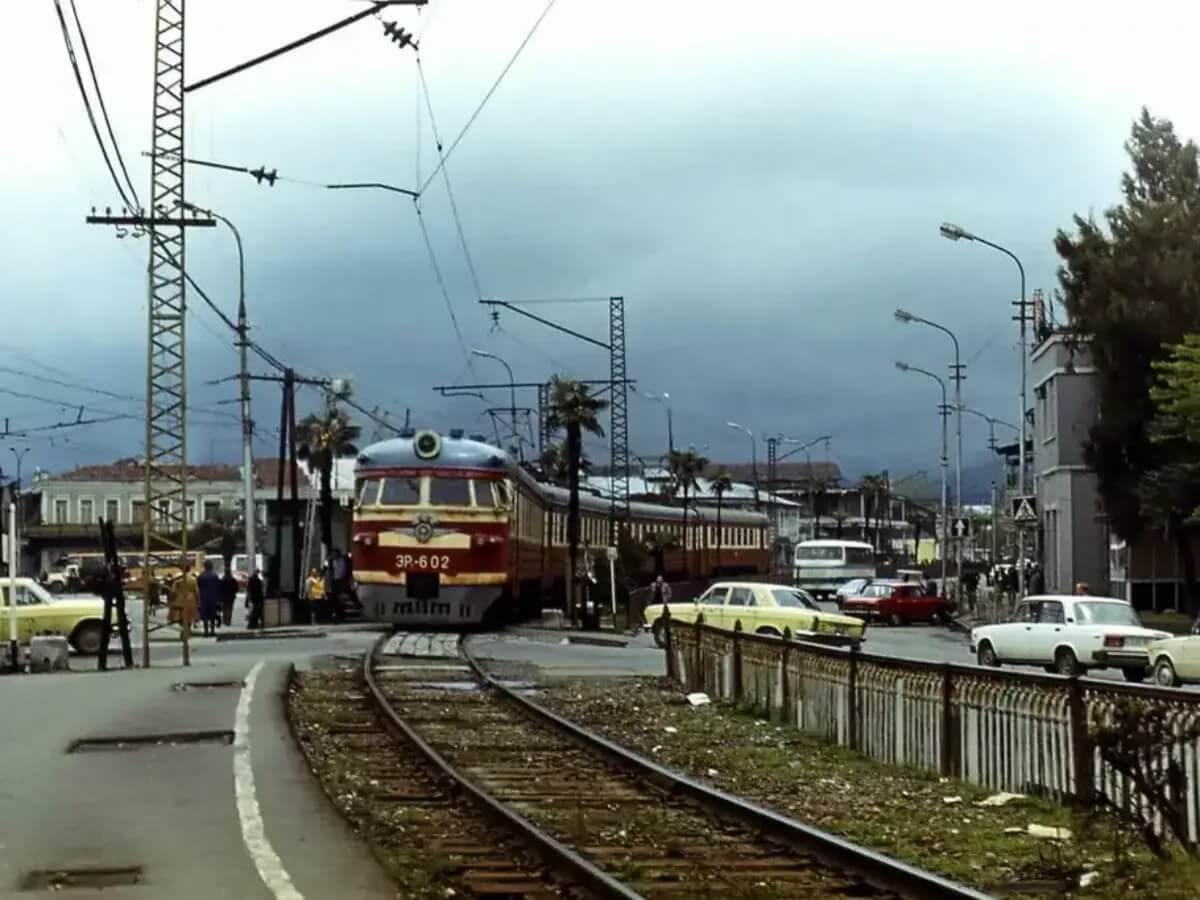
{"x": 316, "y": 595}
{"x": 184, "y": 604}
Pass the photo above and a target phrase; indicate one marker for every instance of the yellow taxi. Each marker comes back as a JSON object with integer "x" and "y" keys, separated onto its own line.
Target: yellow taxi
{"x": 78, "y": 619}
{"x": 762, "y": 609}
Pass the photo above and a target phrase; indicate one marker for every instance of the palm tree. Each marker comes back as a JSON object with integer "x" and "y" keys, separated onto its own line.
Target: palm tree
{"x": 325, "y": 437}
{"x": 871, "y": 486}
{"x": 685, "y": 466}
{"x": 575, "y": 410}
{"x": 554, "y": 462}
{"x": 720, "y": 484}
{"x": 225, "y": 531}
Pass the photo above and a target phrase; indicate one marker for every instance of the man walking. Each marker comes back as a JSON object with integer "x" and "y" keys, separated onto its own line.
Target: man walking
{"x": 229, "y": 589}
{"x": 254, "y": 600}
{"x": 182, "y": 608}
{"x": 209, "y": 586}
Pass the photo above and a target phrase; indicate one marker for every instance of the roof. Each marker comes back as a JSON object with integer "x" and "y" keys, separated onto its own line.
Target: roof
{"x": 132, "y": 469}
{"x": 755, "y": 584}
{"x": 784, "y": 472}
{"x": 463, "y": 453}
{"x": 834, "y": 543}
{"x": 1082, "y": 597}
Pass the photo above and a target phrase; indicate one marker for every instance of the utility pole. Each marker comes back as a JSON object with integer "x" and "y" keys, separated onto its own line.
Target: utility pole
{"x": 249, "y": 512}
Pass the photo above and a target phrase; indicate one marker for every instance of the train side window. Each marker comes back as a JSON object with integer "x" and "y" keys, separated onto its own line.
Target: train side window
{"x": 368, "y": 494}
{"x": 401, "y": 492}
{"x": 502, "y": 498}
{"x": 450, "y": 491}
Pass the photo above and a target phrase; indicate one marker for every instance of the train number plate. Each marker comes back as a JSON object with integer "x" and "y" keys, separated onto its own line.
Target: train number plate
{"x": 422, "y": 562}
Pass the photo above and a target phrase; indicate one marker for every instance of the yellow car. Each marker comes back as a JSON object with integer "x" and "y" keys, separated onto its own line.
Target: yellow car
{"x": 762, "y": 609}
{"x": 1176, "y": 660}
{"x": 78, "y": 619}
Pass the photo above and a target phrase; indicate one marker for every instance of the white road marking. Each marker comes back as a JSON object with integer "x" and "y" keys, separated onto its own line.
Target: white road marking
{"x": 254, "y": 836}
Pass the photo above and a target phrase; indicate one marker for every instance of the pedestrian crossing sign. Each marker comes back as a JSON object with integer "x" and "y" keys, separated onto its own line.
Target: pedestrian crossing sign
{"x": 1024, "y": 509}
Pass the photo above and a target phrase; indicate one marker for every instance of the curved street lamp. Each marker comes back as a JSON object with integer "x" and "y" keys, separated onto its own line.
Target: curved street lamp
{"x": 512, "y": 393}
{"x": 753, "y": 456}
{"x": 944, "y": 412}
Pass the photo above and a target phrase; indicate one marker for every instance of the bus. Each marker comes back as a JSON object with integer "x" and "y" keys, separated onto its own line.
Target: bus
{"x": 821, "y": 567}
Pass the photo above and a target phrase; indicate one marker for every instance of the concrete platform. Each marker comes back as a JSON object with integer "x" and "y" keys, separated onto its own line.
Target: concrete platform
{"x": 188, "y": 813}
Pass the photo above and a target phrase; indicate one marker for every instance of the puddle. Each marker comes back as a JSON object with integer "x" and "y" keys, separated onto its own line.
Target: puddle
{"x": 207, "y": 686}
{"x": 149, "y": 741}
{"x": 83, "y": 877}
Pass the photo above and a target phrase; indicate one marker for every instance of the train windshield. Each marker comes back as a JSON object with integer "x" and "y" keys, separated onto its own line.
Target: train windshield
{"x": 368, "y": 494}
{"x": 450, "y": 491}
{"x": 401, "y": 492}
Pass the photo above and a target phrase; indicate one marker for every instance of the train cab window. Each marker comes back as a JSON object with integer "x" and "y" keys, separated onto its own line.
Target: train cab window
{"x": 368, "y": 494}
{"x": 401, "y": 492}
{"x": 450, "y": 491}
{"x": 502, "y": 498}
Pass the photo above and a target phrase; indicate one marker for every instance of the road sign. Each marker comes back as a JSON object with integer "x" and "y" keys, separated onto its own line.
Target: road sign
{"x": 1024, "y": 509}
{"x": 960, "y": 528}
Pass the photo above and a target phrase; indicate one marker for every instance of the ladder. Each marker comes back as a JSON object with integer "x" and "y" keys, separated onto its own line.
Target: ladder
{"x": 310, "y": 519}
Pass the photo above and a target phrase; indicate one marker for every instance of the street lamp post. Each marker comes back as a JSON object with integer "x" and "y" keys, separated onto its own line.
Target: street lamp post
{"x": 753, "y": 457}
{"x": 944, "y": 412}
{"x": 243, "y": 330}
{"x": 665, "y": 399}
{"x": 954, "y": 232}
{"x": 807, "y": 468}
{"x": 512, "y": 392}
{"x": 957, "y": 377}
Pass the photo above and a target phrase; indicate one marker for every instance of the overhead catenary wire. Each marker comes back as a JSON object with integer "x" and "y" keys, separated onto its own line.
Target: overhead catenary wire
{"x": 486, "y": 97}
{"x": 87, "y": 55}
{"x": 437, "y": 271}
{"x": 87, "y": 105}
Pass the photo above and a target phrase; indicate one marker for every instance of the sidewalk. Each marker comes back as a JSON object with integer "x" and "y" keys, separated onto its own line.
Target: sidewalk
{"x": 641, "y": 640}
{"x": 186, "y": 814}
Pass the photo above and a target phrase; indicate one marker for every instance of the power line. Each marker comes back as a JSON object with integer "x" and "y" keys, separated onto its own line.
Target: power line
{"x": 87, "y": 105}
{"x": 437, "y": 271}
{"x": 33, "y": 376}
{"x": 441, "y": 164}
{"x": 87, "y": 55}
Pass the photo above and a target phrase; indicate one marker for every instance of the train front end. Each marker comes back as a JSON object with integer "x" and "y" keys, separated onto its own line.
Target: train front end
{"x": 431, "y": 531}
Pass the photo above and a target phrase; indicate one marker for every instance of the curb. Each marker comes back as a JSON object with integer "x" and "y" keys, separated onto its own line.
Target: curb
{"x": 281, "y": 634}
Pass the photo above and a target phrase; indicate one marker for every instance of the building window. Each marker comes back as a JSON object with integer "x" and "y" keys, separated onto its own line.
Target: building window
{"x": 191, "y": 512}
{"x": 212, "y": 510}
{"x": 86, "y": 511}
{"x": 60, "y": 512}
{"x": 138, "y": 510}
{"x": 164, "y": 512}
{"x": 260, "y": 513}
{"x": 112, "y": 511}
{"x": 1052, "y": 409}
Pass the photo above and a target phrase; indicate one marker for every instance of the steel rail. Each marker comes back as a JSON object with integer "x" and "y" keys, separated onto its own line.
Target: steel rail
{"x": 880, "y": 870}
{"x": 555, "y": 854}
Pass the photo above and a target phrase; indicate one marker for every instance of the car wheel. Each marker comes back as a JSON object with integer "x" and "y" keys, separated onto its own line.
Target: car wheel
{"x": 987, "y": 656}
{"x": 1136, "y": 675}
{"x": 895, "y": 621}
{"x": 937, "y": 619}
{"x": 86, "y": 638}
{"x": 1164, "y": 673}
{"x": 1050, "y": 670}
{"x": 659, "y": 631}
{"x": 56, "y": 587}
{"x": 768, "y": 631}
{"x": 1065, "y": 662}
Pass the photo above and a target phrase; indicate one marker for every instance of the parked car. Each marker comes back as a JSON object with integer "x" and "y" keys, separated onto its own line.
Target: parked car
{"x": 77, "y": 618}
{"x": 762, "y": 609}
{"x": 1069, "y": 635}
{"x": 849, "y": 589}
{"x": 1176, "y": 660}
{"x": 897, "y": 603}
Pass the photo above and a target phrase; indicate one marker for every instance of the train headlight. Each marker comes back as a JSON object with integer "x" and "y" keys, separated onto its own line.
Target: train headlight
{"x": 427, "y": 444}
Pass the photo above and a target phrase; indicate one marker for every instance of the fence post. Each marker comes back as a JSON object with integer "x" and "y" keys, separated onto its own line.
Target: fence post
{"x": 698, "y": 673}
{"x": 949, "y": 723}
{"x": 1081, "y": 743}
{"x": 737, "y": 661}
{"x": 785, "y": 689}
{"x": 672, "y": 669}
{"x": 852, "y": 697}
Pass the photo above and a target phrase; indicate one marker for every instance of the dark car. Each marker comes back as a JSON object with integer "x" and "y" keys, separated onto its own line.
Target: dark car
{"x": 897, "y": 603}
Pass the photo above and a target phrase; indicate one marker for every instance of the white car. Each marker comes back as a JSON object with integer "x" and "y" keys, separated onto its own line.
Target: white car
{"x": 849, "y": 588}
{"x": 1176, "y": 660}
{"x": 1069, "y": 635}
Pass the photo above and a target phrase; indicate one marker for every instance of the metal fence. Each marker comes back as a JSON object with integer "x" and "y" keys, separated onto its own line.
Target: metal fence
{"x": 1000, "y": 729}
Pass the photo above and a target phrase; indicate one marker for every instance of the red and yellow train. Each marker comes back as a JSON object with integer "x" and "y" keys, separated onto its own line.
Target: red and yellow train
{"x": 450, "y": 532}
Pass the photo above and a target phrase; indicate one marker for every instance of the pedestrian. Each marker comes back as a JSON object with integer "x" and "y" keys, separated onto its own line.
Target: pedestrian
{"x": 229, "y": 591}
{"x": 316, "y": 596}
{"x": 254, "y": 600}
{"x": 1081, "y": 589}
{"x": 341, "y": 584}
{"x": 183, "y": 605}
{"x": 209, "y": 587}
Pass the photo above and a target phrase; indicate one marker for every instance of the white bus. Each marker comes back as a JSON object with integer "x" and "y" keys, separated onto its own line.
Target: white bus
{"x": 821, "y": 567}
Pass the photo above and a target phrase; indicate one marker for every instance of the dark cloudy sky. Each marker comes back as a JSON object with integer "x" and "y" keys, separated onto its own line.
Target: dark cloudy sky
{"x": 762, "y": 181}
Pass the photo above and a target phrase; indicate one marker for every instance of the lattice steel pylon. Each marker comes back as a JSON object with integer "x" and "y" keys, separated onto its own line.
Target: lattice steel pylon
{"x": 164, "y": 530}
{"x": 619, "y": 417}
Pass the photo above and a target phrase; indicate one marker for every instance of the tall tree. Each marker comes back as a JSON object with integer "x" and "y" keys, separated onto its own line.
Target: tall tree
{"x": 685, "y": 467}
{"x": 872, "y": 488}
{"x": 1131, "y": 287}
{"x": 574, "y": 410}
{"x": 324, "y": 438}
{"x": 720, "y": 485}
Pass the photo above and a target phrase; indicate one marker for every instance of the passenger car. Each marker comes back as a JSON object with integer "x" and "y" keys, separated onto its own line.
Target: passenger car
{"x": 76, "y": 618}
{"x": 1176, "y": 660}
{"x": 762, "y": 609}
{"x": 1069, "y": 635}
{"x": 849, "y": 589}
{"x": 897, "y": 603}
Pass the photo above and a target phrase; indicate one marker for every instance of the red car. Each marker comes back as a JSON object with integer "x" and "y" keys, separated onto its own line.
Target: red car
{"x": 897, "y": 603}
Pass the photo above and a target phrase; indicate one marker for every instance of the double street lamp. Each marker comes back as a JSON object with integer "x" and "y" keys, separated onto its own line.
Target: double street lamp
{"x": 905, "y": 317}
{"x": 665, "y": 399}
{"x": 944, "y": 412}
{"x": 954, "y": 232}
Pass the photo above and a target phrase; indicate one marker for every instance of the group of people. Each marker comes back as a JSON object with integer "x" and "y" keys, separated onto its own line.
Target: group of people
{"x": 327, "y": 590}
{"x": 210, "y": 598}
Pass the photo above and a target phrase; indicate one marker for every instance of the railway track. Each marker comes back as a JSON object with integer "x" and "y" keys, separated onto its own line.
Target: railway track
{"x": 599, "y": 819}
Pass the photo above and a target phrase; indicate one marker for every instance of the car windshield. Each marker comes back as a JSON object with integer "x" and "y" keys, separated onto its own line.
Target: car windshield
{"x": 1107, "y": 614}
{"x": 794, "y": 599}
{"x": 829, "y": 553}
